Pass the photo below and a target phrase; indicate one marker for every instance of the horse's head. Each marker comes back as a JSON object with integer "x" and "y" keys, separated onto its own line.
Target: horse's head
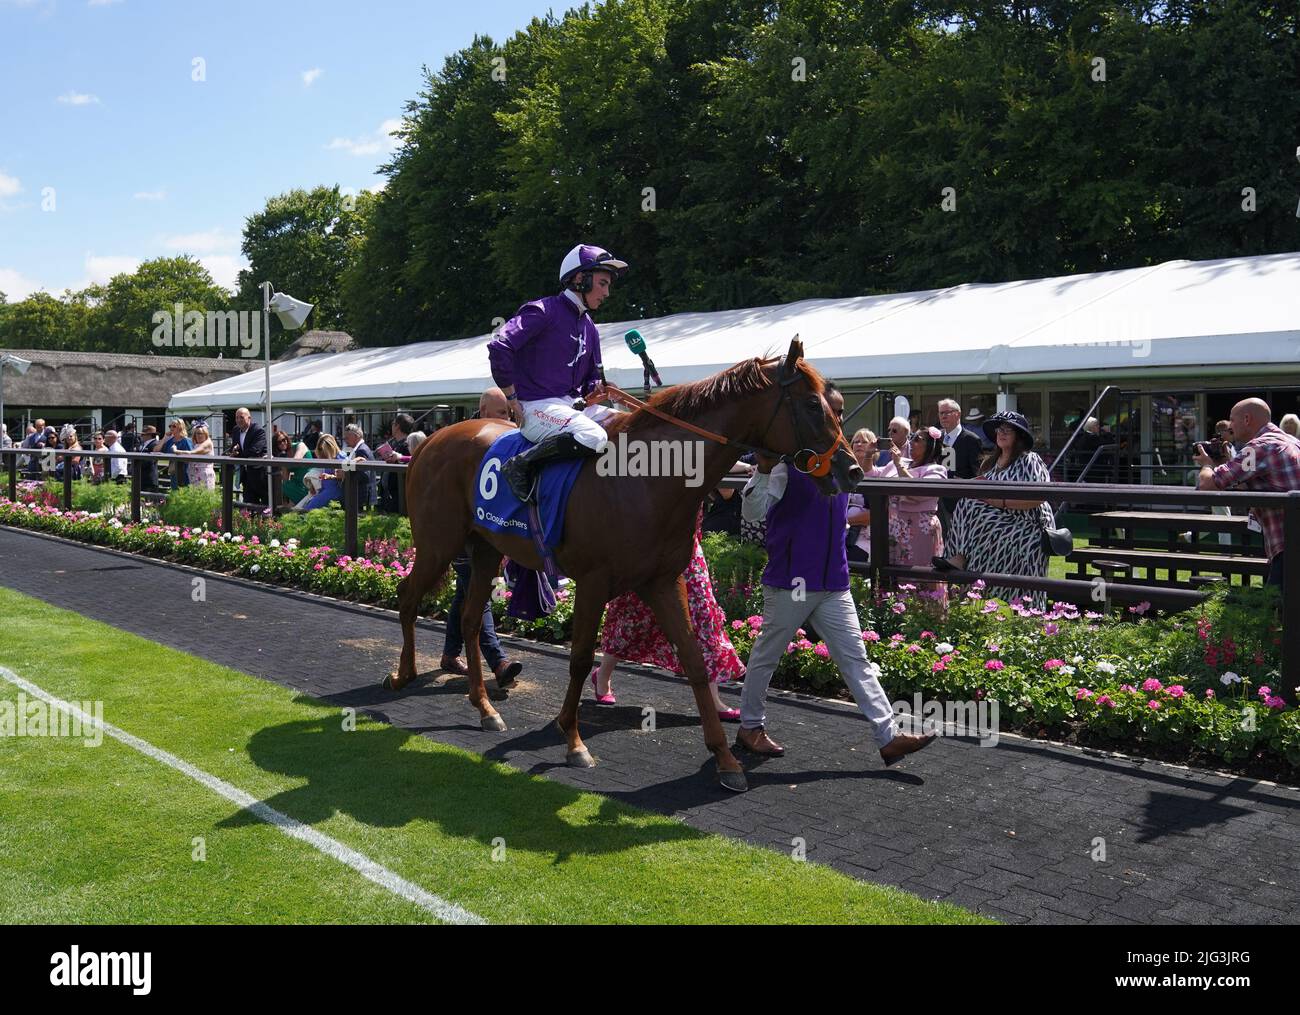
{"x": 807, "y": 431}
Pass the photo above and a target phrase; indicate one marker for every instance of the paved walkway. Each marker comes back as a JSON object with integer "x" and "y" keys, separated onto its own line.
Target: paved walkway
{"x": 1008, "y": 831}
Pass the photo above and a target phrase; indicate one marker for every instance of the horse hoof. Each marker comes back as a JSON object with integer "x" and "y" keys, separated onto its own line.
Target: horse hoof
{"x": 493, "y": 724}
{"x": 734, "y": 781}
{"x": 390, "y": 683}
{"x": 580, "y": 759}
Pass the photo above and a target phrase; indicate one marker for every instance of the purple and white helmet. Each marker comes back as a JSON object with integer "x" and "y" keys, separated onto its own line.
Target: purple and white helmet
{"x": 585, "y": 257}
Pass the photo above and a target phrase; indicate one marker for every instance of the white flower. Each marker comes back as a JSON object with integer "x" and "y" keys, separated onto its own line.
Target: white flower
{"x": 1077, "y": 660}
{"x": 225, "y": 537}
{"x": 236, "y": 539}
{"x": 1068, "y": 670}
{"x": 1105, "y": 667}
{"x": 1230, "y": 678}
{"x": 943, "y": 648}
{"x": 274, "y": 543}
{"x": 256, "y": 568}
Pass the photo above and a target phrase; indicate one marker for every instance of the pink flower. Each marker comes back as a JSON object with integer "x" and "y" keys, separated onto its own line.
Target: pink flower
{"x": 1153, "y": 705}
{"x": 822, "y": 650}
{"x": 1175, "y": 690}
{"x": 1053, "y": 664}
{"x": 990, "y": 607}
{"x": 1082, "y": 693}
{"x": 1273, "y": 702}
{"x": 1128, "y": 687}
{"x": 939, "y": 664}
{"x": 1051, "y": 629}
{"x": 1264, "y": 691}
{"x": 1105, "y": 701}
{"x": 927, "y": 634}
{"x": 913, "y": 648}
{"x": 1209, "y": 692}
{"x": 896, "y": 637}
{"x": 995, "y": 664}
{"x": 737, "y": 625}
{"x": 1151, "y": 684}
{"x": 898, "y": 608}
{"x": 754, "y": 621}
{"x": 870, "y": 636}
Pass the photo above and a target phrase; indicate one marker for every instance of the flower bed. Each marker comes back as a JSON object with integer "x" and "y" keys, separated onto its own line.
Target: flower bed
{"x": 1199, "y": 686}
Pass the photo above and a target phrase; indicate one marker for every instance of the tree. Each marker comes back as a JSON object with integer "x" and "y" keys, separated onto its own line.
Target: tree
{"x": 302, "y": 242}
{"x": 119, "y": 316}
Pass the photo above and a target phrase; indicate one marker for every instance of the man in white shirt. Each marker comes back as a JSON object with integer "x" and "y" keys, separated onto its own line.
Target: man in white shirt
{"x": 116, "y": 466}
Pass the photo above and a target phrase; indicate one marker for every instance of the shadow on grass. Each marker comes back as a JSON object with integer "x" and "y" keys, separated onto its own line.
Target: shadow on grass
{"x": 368, "y": 775}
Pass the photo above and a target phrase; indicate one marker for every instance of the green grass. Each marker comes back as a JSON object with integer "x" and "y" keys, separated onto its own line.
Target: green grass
{"x": 104, "y": 834}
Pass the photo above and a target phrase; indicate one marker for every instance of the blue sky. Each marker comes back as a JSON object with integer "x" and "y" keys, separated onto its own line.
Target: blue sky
{"x": 98, "y": 101}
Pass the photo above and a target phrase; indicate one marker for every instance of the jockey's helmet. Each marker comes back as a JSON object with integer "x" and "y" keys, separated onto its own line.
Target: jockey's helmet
{"x": 586, "y": 258}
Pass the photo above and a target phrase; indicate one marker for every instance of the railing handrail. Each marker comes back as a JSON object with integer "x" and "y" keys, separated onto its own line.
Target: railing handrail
{"x": 1061, "y": 456}
{"x": 361, "y": 463}
{"x": 1092, "y": 493}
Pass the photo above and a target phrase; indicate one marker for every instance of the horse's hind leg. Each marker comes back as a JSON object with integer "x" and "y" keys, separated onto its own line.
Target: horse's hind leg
{"x": 431, "y": 563}
{"x": 668, "y": 601}
{"x": 592, "y": 596}
{"x": 485, "y": 561}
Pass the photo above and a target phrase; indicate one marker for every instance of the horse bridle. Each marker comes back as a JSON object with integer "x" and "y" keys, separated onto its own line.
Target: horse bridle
{"x": 815, "y": 464}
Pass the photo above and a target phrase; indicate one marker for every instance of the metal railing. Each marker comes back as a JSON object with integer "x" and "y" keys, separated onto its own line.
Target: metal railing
{"x": 347, "y": 469}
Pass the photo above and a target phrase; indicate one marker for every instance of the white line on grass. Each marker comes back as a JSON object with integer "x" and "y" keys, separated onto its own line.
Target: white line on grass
{"x": 446, "y": 911}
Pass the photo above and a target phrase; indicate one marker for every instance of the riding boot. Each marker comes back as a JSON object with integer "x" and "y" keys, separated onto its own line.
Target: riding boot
{"x": 521, "y": 471}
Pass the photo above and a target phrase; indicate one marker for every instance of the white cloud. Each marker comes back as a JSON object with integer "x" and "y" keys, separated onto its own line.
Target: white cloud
{"x": 224, "y": 268}
{"x": 101, "y": 268}
{"x": 72, "y": 98}
{"x": 15, "y": 285}
{"x": 9, "y": 186}
{"x": 217, "y": 249}
{"x": 150, "y": 195}
{"x": 369, "y": 144}
{"x": 208, "y": 241}
{"x": 309, "y": 76}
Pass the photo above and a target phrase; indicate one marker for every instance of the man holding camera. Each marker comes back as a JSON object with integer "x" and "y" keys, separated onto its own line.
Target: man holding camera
{"x": 1268, "y": 460}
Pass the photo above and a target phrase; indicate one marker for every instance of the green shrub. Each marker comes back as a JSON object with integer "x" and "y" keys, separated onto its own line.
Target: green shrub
{"x": 191, "y": 507}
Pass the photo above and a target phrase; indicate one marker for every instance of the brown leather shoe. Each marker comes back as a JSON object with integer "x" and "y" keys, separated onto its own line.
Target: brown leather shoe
{"x": 453, "y": 665}
{"x": 902, "y": 745}
{"x": 761, "y": 743}
{"x": 506, "y": 672}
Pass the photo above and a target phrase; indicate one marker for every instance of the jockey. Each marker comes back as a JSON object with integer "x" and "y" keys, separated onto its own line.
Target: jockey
{"x": 548, "y": 355}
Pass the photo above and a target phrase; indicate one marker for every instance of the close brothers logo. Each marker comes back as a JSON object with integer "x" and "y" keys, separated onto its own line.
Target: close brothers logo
{"x": 75, "y": 968}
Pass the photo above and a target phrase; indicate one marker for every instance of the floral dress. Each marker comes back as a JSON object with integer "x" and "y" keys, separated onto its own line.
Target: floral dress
{"x": 915, "y": 535}
{"x": 631, "y": 631}
{"x": 1005, "y": 541}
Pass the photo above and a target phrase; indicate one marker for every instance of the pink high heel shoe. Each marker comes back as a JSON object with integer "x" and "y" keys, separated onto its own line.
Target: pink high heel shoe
{"x": 601, "y": 699}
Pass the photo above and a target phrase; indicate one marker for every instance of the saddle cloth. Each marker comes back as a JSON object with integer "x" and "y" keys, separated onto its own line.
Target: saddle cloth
{"x": 498, "y": 510}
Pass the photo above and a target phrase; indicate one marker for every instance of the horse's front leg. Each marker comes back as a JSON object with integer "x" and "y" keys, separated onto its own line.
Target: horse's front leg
{"x": 668, "y": 601}
{"x": 592, "y": 595}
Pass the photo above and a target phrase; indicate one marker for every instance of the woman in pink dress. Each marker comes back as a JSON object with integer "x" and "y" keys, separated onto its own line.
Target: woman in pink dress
{"x": 631, "y": 632}
{"x": 914, "y": 528}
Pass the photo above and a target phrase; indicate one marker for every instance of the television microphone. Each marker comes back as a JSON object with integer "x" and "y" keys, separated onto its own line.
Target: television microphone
{"x": 637, "y": 344}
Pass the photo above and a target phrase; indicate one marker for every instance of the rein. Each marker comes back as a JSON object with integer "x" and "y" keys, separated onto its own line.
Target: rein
{"x": 806, "y": 461}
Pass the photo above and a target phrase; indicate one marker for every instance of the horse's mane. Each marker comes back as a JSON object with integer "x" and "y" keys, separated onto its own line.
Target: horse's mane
{"x": 688, "y": 401}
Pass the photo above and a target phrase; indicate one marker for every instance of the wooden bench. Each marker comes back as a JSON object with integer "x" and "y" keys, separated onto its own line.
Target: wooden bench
{"x": 1173, "y": 524}
{"x": 1148, "y": 560}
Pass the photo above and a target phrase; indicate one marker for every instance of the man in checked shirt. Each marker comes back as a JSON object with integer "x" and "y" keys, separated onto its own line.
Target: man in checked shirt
{"x": 1268, "y": 459}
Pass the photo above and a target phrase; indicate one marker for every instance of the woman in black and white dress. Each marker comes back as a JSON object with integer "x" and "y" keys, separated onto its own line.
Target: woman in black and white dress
{"x": 998, "y": 535}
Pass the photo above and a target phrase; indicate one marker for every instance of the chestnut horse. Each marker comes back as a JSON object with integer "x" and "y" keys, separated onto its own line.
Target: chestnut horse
{"x": 621, "y": 533}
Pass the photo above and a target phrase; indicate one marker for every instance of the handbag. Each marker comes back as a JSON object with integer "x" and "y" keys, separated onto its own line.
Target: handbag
{"x": 1056, "y": 542}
